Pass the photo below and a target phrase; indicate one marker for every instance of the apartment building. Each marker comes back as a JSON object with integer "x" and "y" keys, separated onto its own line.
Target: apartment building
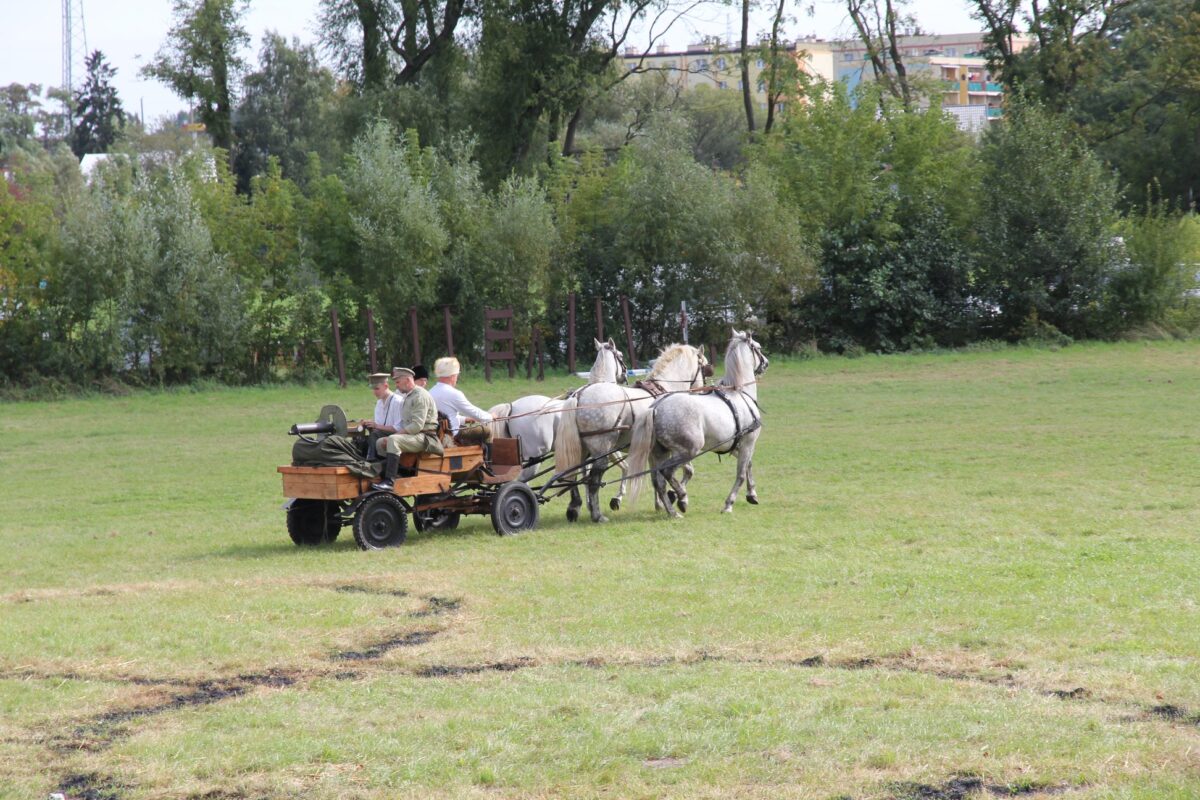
{"x": 971, "y": 93}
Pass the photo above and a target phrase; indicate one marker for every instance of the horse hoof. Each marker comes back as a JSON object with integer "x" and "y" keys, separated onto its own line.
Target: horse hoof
{"x": 682, "y": 506}
{"x": 614, "y": 504}
{"x": 727, "y": 510}
{"x": 751, "y": 499}
{"x": 572, "y": 515}
{"x": 671, "y": 496}
{"x": 600, "y": 518}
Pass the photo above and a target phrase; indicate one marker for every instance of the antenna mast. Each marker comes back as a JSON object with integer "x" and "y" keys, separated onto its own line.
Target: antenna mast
{"x": 74, "y": 46}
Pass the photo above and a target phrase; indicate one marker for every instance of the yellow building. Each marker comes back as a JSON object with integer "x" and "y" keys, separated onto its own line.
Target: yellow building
{"x": 972, "y": 94}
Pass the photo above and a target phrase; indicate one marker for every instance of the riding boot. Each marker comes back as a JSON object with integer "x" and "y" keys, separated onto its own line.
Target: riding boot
{"x": 390, "y": 469}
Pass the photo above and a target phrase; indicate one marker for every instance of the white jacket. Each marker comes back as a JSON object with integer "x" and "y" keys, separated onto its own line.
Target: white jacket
{"x": 455, "y": 405}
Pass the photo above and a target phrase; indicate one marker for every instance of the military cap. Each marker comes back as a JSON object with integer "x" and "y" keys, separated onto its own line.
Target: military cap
{"x": 398, "y": 371}
{"x": 377, "y": 378}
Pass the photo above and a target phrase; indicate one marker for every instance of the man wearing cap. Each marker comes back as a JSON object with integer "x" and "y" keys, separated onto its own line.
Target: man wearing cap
{"x": 417, "y": 432}
{"x": 450, "y": 399}
{"x": 387, "y": 414}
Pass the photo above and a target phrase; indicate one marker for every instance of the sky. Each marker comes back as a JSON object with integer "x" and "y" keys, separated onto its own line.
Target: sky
{"x": 129, "y": 32}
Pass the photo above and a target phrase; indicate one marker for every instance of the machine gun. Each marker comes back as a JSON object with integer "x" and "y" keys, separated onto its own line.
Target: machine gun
{"x": 331, "y": 421}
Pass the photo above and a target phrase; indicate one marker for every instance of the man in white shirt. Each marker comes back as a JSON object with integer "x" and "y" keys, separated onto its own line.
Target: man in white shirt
{"x": 450, "y": 399}
{"x": 388, "y": 407}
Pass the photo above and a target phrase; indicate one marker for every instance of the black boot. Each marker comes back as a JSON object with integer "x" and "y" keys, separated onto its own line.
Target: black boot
{"x": 390, "y": 468}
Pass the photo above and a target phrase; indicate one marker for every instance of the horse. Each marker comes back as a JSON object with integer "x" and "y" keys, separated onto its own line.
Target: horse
{"x": 682, "y": 426}
{"x": 532, "y": 418}
{"x": 598, "y": 418}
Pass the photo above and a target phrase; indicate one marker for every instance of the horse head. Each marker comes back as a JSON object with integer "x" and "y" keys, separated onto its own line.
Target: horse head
{"x": 744, "y": 359}
{"x": 610, "y": 363}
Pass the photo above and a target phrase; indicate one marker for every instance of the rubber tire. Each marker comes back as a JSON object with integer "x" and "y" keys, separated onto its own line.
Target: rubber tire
{"x": 313, "y": 522}
{"x": 380, "y": 522}
{"x": 434, "y": 520}
{"x": 514, "y": 509}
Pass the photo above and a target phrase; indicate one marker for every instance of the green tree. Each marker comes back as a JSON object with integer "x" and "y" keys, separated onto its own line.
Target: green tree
{"x": 201, "y": 60}
{"x": 1047, "y": 247}
{"x": 285, "y": 111}
{"x": 100, "y": 117}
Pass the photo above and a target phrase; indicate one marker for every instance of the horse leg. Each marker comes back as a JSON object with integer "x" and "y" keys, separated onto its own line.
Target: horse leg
{"x": 743, "y": 466}
{"x": 680, "y": 488}
{"x": 594, "y": 479}
{"x": 751, "y": 494}
{"x": 615, "y": 503}
{"x": 576, "y": 502}
{"x": 688, "y": 472}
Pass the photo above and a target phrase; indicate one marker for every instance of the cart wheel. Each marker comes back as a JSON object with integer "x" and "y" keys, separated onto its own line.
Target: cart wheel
{"x": 514, "y": 509}
{"x": 380, "y": 522}
{"x": 313, "y": 522}
{"x": 436, "y": 520}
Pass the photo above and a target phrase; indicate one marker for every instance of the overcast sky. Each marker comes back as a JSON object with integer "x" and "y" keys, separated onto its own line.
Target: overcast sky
{"x": 131, "y": 31}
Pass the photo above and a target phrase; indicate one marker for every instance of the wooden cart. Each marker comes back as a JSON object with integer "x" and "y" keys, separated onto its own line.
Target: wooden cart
{"x": 435, "y": 490}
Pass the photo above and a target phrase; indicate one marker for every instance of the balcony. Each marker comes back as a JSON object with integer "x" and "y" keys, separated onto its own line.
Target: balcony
{"x": 994, "y": 113}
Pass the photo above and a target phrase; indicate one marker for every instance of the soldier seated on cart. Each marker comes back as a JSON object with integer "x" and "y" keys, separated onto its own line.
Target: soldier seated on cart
{"x": 387, "y": 415}
{"x": 417, "y": 431}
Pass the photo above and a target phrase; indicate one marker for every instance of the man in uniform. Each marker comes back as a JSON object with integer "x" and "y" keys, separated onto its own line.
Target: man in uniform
{"x": 421, "y": 375}
{"x": 417, "y": 432}
{"x": 387, "y": 414}
{"x": 450, "y": 399}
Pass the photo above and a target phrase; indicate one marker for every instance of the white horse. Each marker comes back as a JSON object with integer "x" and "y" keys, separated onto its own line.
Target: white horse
{"x": 598, "y": 419}
{"x": 682, "y": 426}
{"x": 533, "y": 418}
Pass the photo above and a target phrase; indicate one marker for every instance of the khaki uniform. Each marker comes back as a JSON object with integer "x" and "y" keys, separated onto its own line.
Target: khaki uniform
{"x": 419, "y": 423}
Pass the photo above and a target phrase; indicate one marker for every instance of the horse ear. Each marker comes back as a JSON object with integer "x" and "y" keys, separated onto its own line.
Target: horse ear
{"x": 737, "y": 334}
{"x": 611, "y": 342}
{"x": 599, "y": 344}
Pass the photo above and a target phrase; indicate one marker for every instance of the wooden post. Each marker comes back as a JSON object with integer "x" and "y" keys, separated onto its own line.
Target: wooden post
{"x": 416, "y": 334}
{"x": 628, "y": 332}
{"x": 337, "y": 347}
{"x": 449, "y": 332}
{"x": 371, "y": 340}
{"x": 599, "y": 320}
{"x": 541, "y": 353}
{"x": 571, "y": 332}
{"x": 504, "y": 336}
{"x": 712, "y": 356}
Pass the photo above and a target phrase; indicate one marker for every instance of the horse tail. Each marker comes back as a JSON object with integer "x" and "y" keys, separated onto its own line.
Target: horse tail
{"x": 568, "y": 447}
{"x": 499, "y": 423}
{"x": 641, "y": 442}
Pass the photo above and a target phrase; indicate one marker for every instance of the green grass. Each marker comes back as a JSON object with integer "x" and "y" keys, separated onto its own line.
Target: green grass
{"x": 944, "y": 541}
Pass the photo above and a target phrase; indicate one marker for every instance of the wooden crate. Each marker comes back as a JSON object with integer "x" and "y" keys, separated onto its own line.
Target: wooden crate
{"x": 322, "y": 483}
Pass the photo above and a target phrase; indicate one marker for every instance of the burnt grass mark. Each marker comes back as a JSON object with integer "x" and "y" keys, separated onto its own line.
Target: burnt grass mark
{"x": 411, "y": 639}
{"x": 354, "y": 588}
{"x": 962, "y": 787}
{"x": 1176, "y": 714}
{"x": 458, "y": 670}
{"x": 1078, "y": 693}
{"x": 89, "y": 786}
{"x": 135, "y": 680}
{"x": 100, "y": 731}
{"x": 436, "y": 606}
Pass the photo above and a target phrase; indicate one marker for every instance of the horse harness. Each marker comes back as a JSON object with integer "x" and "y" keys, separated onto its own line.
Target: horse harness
{"x": 755, "y": 419}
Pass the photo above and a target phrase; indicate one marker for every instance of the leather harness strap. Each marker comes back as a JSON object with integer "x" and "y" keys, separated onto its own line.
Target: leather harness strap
{"x": 755, "y": 424}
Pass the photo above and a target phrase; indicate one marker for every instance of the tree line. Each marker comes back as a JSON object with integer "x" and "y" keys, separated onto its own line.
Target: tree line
{"x": 501, "y": 154}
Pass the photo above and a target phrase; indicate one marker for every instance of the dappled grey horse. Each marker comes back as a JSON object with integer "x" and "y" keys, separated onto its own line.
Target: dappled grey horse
{"x": 681, "y": 426}
{"x": 533, "y": 418}
{"x": 598, "y": 419}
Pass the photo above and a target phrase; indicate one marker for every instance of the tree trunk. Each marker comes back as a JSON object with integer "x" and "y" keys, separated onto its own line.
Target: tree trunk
{"x": 747, "y": 92}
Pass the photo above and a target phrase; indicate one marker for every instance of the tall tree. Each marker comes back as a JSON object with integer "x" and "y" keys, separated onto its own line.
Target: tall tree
{"x": 201, "y": 59}
{"x": 879, "y": 28}
{"x": 361, "y": 35}
{"x": 97, "y": 109}
{"x": 284, "y": 110}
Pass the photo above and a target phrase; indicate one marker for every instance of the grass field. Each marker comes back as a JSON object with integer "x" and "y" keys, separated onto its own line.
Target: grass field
{"x": 971, "y": 575}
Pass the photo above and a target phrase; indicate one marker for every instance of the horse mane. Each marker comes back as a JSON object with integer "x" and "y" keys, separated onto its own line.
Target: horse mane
{"x": 670, "y": 354}
{"x": 739, "y": 368}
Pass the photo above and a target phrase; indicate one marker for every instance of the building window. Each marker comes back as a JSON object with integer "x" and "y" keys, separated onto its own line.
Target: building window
{"x": 847, "y": 56}
{"x": 632, "y": 65}
{"x": 700, "y": 64}
{"x": 720, "y": 63}
{"x": 762, "y": 87}
{"x": 722, "y": 85}
{"x": 760, "y": 63}
{"x": 951, "y": 51}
